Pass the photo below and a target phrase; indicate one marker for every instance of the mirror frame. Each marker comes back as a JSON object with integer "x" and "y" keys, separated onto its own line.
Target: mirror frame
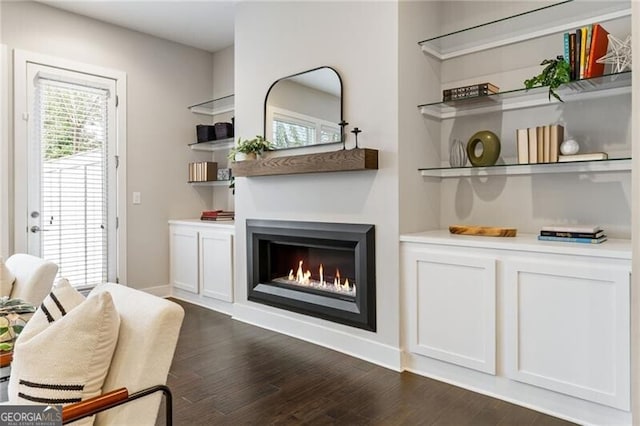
{"x": 264, "y": 130}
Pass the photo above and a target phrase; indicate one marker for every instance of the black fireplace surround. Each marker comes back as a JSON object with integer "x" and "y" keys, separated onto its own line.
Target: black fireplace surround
{"x": 341, "y": 282}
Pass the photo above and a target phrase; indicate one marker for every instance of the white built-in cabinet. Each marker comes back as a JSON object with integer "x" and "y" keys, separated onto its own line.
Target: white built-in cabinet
{"x": 201, "y": 260}
{"x": 555, "y": 316}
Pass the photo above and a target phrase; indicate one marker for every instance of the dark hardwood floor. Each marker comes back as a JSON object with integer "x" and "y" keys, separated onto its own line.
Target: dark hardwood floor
{"x": 228, "y": 372}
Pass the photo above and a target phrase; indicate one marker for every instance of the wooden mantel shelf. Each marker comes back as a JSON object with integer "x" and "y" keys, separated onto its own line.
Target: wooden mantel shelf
{"x": 334, "y": 161}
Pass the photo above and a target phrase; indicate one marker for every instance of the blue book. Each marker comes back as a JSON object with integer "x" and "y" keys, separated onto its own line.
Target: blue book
{"x": 566, "y": 48}
{"x": 573, "y": 240}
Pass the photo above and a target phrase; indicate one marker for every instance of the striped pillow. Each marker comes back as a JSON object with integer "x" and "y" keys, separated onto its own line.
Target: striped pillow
{"x": 64, "y": 352}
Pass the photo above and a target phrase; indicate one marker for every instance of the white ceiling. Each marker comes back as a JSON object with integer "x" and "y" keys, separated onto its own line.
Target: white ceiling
{"x": 205, "y": 24}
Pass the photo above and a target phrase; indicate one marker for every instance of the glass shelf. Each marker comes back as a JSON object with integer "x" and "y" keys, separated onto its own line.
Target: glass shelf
{"x": 611, "y": 165}
{"x": 216, "y": 145}
{"x": 552, "y": 19}
{"x": 211, "y": 183}
{"x": 606, "y": 85}
{"x": 215, "y": 106}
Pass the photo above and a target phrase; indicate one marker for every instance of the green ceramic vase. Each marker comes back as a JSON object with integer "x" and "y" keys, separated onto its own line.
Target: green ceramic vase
{"x": 490, "y": 148}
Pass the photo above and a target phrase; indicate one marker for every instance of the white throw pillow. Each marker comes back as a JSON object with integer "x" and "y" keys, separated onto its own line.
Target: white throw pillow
{"x": 6, "y": 279}
{"x": 64, "y": 352}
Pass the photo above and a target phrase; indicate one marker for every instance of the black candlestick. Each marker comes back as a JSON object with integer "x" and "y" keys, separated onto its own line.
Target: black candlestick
{"x": 342, "y": 125}
{"x": 355, "y": 131}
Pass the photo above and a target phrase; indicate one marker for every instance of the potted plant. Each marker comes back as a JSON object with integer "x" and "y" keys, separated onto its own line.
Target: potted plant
{"x": 554, "y": 74}
{"x": 249, "y": 149}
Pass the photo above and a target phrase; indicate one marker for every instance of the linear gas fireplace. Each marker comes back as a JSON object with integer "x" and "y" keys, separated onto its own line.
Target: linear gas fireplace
{"x": 326, "y": 270}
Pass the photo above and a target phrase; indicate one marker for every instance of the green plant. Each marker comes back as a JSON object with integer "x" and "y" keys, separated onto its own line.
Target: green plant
{"x": 555, "y": 74}
{"x": 257, "y": 145}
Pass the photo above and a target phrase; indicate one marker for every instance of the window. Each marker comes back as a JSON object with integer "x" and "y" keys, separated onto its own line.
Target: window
{"x": 291, "y": 129}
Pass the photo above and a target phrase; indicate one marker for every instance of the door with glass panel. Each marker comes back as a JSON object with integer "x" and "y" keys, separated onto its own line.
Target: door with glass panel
{"x": 72, "y": 173}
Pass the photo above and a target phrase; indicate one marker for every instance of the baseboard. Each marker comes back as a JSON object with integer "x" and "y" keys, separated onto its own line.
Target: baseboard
{"x": 365, "y": 349}
{"x": 203, "y": 301}
{"x": 160, "y": 291}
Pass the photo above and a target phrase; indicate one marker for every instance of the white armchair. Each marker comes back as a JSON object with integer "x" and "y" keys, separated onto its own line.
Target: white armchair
{"x": 34, "y": 277}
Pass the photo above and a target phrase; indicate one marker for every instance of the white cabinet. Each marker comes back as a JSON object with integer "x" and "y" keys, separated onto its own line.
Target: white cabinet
{"x": 201, "y": 259}
{"x": 555, "y": 316}
{"x": 453, "y": 315}
{"x": 568, "y": 327}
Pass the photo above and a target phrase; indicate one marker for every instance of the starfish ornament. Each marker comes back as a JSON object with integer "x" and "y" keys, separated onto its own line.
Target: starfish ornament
{"x": 618, "y": 55}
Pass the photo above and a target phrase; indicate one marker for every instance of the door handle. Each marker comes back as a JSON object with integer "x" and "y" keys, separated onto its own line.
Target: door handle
{"x": 35, "y": 228}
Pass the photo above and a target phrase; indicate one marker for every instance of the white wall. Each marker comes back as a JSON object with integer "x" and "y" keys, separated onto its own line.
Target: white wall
{"x": 359, "y": 40}
{"x": 163, "y": 79}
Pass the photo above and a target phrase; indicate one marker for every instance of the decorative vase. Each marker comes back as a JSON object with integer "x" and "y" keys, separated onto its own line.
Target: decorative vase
{"x": 241, "y": 156}
{"x": 457, "y": 154}
{"x": 569, "y": 147}
{"x": 490, "y": 148}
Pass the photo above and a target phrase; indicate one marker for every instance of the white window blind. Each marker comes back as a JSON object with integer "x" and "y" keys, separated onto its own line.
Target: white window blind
{"x": 72, "y": 125}
{"x": 290, "y": 131}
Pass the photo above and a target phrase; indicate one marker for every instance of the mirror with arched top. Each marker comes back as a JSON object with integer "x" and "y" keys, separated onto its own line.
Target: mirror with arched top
{"x": 304, "y": 109}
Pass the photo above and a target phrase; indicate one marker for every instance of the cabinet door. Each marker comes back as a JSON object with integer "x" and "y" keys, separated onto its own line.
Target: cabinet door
{"x": 183, "y": 258}
{"x": 452, "y": 307}
{"x": 568, "y": 328}
{"x": 216, "y": 265}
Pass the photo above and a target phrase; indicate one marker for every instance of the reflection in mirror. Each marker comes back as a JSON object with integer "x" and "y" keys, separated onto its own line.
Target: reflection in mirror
{"x": 304, "y": 109}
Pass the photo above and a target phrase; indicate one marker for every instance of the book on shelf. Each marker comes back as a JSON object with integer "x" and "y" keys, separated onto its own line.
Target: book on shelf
{"x": 587, "y": 48}
{"x": 591, "y": 156}
{"x": 546, "y": 143}
{"x": 599, "y": 44}
{"x": 572, "y": 56}
{"x": 205, "y": 171}
{"x": 556, "y": 136}
{"x": 533, "y": 145}
{"x": 466, "y": 92}
{"x": 522, "y": 144}
{"x": 217, "y": 215}
{"x": 573, "y": 240}
{"x": 583, "y": 229}
{"x": 591, "y": 235}
{"x": 577, "y": 53}
{"x": 540, "y": 143}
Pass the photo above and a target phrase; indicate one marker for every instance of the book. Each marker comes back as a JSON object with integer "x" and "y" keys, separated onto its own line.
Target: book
{"x": 546, "y": 143}
{"x": 556, "y": 136}
{"x": 566, "y": 47}
{"x": 583, "y": 46}
{"x": 591, "y": 156}
{"x": 587, "y": 49}
{"x": 573, "y": 234}
{"x": 572, "y": 56}
{"x": 573, "y": 240}
{"x": 540, "y": 143}
{"x": 533, "y": 145}
{"x": 522, "y": 144}
{"x": 599, "y": 44}
{"x": 577, "y": 53}
{"x": 585, "y": 229}
{"x": 472, "y": 91}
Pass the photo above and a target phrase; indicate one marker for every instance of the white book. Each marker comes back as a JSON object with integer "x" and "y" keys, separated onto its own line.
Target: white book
{"x": 522, "y": 141}
{"x": 583, "y": 229}
{"x": 583, "y": 157}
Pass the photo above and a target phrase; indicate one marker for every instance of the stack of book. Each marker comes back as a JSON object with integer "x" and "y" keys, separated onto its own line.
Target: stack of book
{"x": 588, "y": 234}
{"x": 217, "y": 215}
{"x": 539, "y": 144}
{"x": 469, "y": 92}
{"x": 583, "y": 48}
{"x": 204, "y": 171}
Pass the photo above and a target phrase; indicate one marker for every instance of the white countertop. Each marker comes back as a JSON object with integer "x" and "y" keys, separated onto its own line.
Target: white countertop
{"x": 226, "y": 224}
{"x": 612, "y": 248}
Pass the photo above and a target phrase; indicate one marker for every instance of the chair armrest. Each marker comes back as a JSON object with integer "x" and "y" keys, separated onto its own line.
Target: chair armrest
{"x": 93, "y": 405}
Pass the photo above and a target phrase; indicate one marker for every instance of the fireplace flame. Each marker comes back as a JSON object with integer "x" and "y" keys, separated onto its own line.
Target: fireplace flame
{"x": 303, "y": 277}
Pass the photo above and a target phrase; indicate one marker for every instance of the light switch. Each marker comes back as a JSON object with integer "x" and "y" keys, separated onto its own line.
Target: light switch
{"x": 136, "y": 198}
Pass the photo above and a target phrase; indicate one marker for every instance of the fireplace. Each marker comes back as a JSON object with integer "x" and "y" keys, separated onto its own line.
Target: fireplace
{"x": 325, "y": 270}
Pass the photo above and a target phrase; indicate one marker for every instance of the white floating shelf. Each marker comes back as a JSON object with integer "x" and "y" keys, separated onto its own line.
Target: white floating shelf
{"x": 218, "y": 145}
{"x": 615, "y": 165}
{"x": 215, "y": 106}
{"x": 553, "y": 19}
{"x": 211, "y": 183}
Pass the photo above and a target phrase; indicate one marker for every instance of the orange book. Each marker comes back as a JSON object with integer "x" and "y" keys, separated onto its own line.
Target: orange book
{"x": 599, "y": 43}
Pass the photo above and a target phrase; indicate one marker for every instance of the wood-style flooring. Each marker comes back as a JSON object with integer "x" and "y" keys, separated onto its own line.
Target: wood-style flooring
{"x": 226, "y": 372}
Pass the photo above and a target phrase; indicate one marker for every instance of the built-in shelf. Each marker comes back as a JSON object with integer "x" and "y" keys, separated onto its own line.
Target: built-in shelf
{"x": 214, "y": 106}
{"x": 552, "y": 19}
{"x": 599, "y": 166}
{"x": 218, "y": 145}
{"x": 606, "y": 85}
{"x": 357, "y": 159}
{"x": 211, "y": 183}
